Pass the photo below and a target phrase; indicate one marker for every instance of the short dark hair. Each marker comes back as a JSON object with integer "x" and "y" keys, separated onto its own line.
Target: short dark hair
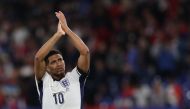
{"x": 51, "y": 52}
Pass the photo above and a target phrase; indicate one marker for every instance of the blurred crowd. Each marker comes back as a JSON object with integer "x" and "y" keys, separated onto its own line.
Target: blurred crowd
{"x": 140, "y": 51}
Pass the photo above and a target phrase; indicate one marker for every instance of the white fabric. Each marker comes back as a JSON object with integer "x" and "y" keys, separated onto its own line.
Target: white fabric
{"x": 63, "y": 94}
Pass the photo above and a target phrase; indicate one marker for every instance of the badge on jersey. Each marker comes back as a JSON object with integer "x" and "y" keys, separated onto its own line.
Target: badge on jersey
{"x": 65, "y": 83}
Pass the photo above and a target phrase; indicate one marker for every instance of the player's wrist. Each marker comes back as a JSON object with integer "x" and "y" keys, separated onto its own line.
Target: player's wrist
{"x": 68, "y": 31}
{"x": 66, "y": 28}
{"x": 59, "y": 34}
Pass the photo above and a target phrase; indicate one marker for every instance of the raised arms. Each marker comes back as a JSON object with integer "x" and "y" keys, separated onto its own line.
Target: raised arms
{"x": 39, "y": 64}
{"x": 84, "y": 58}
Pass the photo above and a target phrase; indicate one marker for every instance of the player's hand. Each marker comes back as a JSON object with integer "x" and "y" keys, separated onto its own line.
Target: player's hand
{"x": 62, "y": 19}
{"x": 60, "y": 31}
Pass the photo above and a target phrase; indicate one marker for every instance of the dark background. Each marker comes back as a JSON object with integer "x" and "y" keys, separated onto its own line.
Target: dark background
{"x": 140, "y": 51}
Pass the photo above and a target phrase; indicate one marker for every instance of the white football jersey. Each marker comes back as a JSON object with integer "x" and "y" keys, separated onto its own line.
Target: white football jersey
{"x": 64, "y": 94}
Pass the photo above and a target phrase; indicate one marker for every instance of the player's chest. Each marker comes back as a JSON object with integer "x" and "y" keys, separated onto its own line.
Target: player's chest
{"x": 62, "y": 91}
{"x": 63, "y": 85}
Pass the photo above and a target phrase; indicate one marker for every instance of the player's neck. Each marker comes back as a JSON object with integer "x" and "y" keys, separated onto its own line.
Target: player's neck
{"x": 58, "y": 78}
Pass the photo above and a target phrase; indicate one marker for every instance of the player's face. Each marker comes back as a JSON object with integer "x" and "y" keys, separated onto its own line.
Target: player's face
{"x": 56, "y": 66}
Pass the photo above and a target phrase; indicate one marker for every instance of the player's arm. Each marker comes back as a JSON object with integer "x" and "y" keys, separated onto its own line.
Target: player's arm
{"x": 84, "y": 58}
{"x": 39, "y": 64}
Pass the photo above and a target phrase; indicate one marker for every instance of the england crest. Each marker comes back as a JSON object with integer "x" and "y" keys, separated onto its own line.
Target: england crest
{"x": 65, "y": 83}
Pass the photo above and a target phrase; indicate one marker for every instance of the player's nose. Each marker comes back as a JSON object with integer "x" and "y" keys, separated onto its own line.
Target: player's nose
{"x": 59, "y": 64}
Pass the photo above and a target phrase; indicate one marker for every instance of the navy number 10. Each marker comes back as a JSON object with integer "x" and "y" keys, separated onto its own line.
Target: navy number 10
{"x": 58, "y": 97}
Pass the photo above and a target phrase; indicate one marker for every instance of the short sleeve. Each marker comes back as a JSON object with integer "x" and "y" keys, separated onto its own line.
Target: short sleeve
{"x": 76, "y": 73}
{"x": 45, "y": 76}
{"x": 82, "y": 72}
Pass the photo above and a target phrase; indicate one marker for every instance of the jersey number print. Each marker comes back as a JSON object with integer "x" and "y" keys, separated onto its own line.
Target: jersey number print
{"x": 59, "y": 98}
